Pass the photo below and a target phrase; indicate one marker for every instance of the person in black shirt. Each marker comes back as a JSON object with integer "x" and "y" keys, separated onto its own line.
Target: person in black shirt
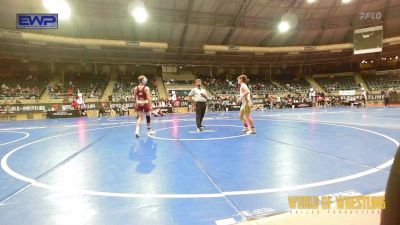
{"x": 199, "y": 96}
{"x": 386, "y": 96}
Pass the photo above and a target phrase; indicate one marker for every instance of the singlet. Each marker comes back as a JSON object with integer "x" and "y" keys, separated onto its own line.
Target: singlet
{"x": 245, "y": 100}
{"x": 141, "y": 95}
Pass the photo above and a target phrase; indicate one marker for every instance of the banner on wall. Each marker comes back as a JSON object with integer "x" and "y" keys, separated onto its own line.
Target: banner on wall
{"x": 358, "y": 97}
{"x": 258, "y": 101}
{"x": 63, "y": 114}
{"x": 68, "y": 107}
{"x": 347, "y": 93}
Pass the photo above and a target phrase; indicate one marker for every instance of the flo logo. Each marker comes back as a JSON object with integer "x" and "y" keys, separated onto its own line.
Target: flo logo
{"x": 370, "y": 15}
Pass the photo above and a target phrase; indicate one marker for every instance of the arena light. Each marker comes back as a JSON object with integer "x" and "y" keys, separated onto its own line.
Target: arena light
{"x": 283, "y": 26}
{"x": 311, "y": 1}
{"x": 58, "y": 6}
{"x": 139, "y": 13}
{"x": 346, "y": 1}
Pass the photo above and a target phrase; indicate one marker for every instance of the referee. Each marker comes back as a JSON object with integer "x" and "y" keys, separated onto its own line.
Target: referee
{"x": 199, "y": 96}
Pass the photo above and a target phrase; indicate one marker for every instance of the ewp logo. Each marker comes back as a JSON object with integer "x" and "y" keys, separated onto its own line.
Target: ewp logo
{"x": 37, "y": 21}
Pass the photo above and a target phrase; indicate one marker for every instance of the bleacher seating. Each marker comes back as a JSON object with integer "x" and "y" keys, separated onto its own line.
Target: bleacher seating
{"x": 123, "y": 87}
{"x": 258, "y": 84}
{"x": 221, "y": 87}
{"x": 296, "y": 86}
{"x": 266, "y": 87}
{"x": 338, "y": 83}
{"x": 383, "y": 82}
{"x": 261, "y": 85}
{"x": 23, "y": 86}
{"x": 90, "y": 85}
{"x": 179, "y": 82}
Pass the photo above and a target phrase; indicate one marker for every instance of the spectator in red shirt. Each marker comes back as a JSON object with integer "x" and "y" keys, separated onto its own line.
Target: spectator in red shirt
{"x": 75, "y": 104}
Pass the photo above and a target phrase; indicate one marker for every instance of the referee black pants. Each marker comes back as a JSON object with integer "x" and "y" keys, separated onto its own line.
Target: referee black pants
{"x": 386, "y": 101}
{"x": 200, "y": 111}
